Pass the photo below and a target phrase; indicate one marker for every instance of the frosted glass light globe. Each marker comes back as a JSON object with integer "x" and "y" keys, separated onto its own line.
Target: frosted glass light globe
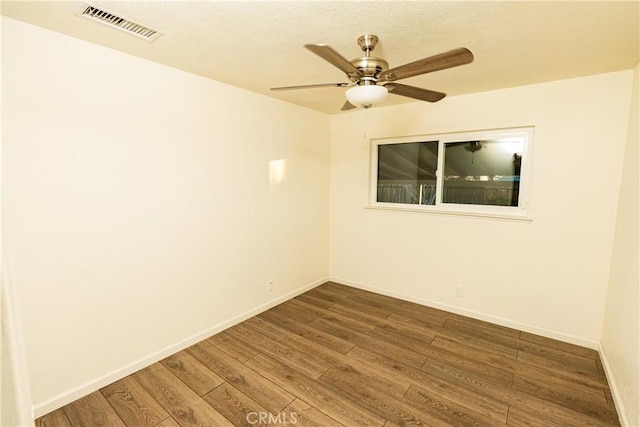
{"x": 367, "y": 95}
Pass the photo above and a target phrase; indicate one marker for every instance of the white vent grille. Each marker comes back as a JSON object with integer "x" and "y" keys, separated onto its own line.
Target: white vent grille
{"x": 105, "y": 17}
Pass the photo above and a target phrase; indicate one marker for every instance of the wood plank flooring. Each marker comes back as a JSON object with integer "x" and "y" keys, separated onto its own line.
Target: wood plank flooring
{"x": 342, "y": 356}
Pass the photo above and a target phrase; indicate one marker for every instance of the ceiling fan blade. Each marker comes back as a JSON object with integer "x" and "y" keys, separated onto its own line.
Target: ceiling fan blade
{"x": 442, "y": 61}
{"x": 348, "y": 106}
{"x": 312, "y": 86}
{"x": 334, "y": 58}
{"x": 415, "y": 92}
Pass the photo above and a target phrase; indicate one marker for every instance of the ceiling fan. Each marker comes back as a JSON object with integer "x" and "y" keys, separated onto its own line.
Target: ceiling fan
{"x": 371, "y": 79}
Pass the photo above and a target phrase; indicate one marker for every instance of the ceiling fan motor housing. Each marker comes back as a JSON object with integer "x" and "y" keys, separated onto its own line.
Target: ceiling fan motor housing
{"x": 370, "y": 66}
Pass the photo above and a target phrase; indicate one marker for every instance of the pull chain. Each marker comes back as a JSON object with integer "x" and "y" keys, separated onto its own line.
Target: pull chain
{"x": 365, "y": 122}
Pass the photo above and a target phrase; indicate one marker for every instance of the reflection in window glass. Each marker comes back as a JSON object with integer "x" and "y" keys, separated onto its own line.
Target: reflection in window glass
{"x": 483, "y": 172}
{"x": 407, "y": 173}
{"x": 478, "y": 173}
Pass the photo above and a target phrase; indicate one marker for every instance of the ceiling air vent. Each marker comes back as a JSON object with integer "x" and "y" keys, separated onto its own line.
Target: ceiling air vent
{"x": 114, "y": 21}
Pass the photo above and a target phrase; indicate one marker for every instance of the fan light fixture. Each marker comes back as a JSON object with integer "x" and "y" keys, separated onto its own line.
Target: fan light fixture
{"x": 366, "y": 95}
{"x": 370, "y": 78}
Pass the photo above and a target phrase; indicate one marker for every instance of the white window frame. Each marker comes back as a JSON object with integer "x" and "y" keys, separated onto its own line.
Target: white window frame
{"x": 520, "y": 212}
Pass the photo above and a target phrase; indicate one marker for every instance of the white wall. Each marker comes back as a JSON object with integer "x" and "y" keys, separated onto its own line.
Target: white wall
{"x": 141, "y": 213}
{"x": 547, "y": 276}
{"x": 621, "y": 329}
{"x": 139, "y": 210}
{"x": 15, "y": 395}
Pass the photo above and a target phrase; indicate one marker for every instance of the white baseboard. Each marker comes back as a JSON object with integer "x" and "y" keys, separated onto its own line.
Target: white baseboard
{"x": 613, "y": 386}
{"x": 59, "y": 401}
{"x": 595, "y": 345}
{"x": 43, "y": 408}
{"x": 583, "y": 342}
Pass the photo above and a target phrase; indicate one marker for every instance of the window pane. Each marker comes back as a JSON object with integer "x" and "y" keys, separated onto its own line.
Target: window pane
{"x": 483, "y": 172}
{"x": 407, "y": 173}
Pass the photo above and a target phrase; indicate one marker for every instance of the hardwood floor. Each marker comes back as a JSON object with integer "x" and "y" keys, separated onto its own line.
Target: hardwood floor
{"x": 342, "y": 356}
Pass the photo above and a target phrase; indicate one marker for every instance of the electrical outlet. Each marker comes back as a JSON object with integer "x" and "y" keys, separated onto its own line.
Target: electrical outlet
{"x": 270, "y": 286}
{"x": 459, "y": 291}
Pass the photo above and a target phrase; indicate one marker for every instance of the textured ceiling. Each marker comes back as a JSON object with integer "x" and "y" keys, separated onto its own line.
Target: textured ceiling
{"x": 259, "y": 45}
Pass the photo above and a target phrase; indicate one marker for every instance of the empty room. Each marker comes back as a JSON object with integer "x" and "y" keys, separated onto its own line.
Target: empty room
{"x": 320, "y": 213}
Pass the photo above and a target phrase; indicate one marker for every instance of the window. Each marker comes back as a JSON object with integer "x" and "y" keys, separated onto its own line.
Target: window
{"x": 477, "y": 173}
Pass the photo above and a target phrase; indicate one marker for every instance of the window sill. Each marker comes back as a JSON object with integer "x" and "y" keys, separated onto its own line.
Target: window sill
{"x": 444, "y": 212}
